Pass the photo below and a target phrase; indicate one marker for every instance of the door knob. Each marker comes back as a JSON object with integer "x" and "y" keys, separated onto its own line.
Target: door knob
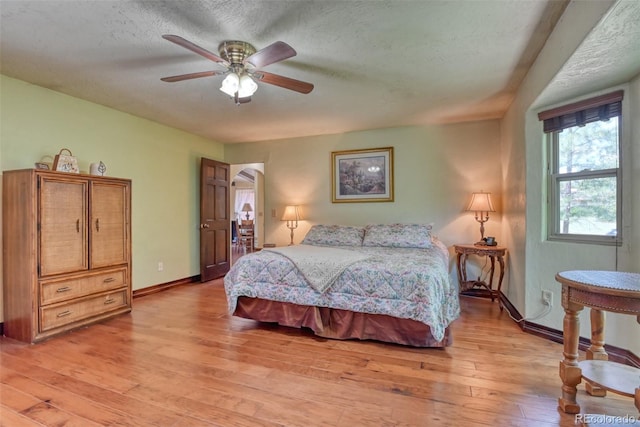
{"x": 204, "y": 225}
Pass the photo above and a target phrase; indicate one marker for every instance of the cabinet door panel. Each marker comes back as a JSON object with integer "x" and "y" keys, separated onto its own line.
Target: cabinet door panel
{"x": 63, "y": 226}
{"x": 109, "y": 232}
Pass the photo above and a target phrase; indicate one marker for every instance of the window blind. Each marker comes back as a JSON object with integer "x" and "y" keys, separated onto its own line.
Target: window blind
{"x": 579, "y": 113}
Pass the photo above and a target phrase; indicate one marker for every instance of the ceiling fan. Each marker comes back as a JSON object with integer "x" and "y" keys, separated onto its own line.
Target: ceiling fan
{"x": 242, "y": 66}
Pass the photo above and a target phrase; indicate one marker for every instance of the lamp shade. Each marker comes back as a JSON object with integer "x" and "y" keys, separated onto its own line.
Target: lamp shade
{"x": 291, "y": 213}
{"x": 247, "y": 86}
{"x": 230, "y": 84}
{"x": 481, "y": 202}
{"x": 247, "y": 207}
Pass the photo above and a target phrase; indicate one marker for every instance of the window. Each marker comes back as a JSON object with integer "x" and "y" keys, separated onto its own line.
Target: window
{"x": 584, "y": 197}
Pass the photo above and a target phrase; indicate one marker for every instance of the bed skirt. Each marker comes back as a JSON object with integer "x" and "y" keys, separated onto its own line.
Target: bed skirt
{"x": 341, "y": 324}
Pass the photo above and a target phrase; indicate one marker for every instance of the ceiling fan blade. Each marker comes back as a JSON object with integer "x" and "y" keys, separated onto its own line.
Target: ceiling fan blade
{"x": 285, "y": 82}
{"x": 181, "y": 77}
{"x": 275, "y": 52}
{"x": 195, "y": 48}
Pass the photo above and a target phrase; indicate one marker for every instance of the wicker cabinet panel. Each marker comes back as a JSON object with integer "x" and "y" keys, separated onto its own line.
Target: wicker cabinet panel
{"x": 108, "y": 224}
{"x": 63, "y": 226}
{"x": 67, "y": 251}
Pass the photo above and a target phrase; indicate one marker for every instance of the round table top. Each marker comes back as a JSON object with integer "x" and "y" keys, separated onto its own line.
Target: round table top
{"x": 618, "y": 280}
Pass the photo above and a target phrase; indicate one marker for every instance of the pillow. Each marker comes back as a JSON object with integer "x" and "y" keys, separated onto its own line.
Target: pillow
{"x": 398, "y": 235}
{"x": 334, "y": 235}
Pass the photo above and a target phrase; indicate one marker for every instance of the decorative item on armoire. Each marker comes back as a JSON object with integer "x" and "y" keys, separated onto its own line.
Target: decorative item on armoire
{"x": 65, "y": 162}
{"x": 99, "y": 169}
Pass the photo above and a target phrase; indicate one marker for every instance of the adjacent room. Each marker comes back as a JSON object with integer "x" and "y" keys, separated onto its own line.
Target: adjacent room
{"x": 159, "y": 159}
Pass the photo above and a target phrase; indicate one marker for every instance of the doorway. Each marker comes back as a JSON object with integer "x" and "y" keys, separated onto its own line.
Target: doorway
{"x": 247, "y": 200}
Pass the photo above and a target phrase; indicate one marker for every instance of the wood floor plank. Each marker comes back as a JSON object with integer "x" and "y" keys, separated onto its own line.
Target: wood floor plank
{"x": 13, "y": 398}
{"x": 179, "y": 359}
{"x": 10, "y": 418}
{"x": 152, "y": 415}
{"x": 69, "y": 402}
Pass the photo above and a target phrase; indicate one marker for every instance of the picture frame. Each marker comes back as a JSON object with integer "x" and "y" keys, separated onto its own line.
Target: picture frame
{"x": 362, "y": 175}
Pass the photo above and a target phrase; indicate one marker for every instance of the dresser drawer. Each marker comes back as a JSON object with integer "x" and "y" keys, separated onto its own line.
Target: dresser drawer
{"x": 63, "y": 290}
{"x": 63, "y": 314}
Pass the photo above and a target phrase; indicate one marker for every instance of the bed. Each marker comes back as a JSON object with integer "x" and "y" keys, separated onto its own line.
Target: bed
{"x": 387, "y": 282}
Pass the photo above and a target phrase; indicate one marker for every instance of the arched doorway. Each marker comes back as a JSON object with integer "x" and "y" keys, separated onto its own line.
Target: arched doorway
{"x": 247, "y": 187}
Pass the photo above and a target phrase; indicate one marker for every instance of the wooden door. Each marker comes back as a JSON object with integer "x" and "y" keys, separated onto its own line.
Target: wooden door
{"x": 62, "y": 220}
{"x": 215, "y": 229}
{"x": 108, "y": 223}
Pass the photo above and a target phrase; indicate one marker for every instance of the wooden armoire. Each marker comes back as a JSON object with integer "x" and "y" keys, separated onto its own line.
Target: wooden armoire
{"x": 67, "y": 251}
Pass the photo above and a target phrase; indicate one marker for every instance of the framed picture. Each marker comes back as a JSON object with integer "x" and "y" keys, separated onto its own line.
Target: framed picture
{"x": 362, "y": 175}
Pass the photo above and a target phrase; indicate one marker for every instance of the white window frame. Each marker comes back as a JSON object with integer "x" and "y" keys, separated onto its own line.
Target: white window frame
{"x": 555, "y": 178}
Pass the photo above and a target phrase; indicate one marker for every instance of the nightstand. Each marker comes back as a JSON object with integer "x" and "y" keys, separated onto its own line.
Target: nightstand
{"x": 469, "y": 286}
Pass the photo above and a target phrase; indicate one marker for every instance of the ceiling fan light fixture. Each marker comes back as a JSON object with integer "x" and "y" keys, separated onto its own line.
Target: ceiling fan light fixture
{"x": 247, "y": 86}
{"x": 243, "y": 67}
{"x": 230, "y": 84}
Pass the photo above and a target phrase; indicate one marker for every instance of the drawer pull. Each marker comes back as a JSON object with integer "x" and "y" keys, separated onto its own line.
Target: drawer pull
{"x": 98, "y": 224}
{"x": 77, "y": 225}
{"x": 63, "y": 289}
{"x": 109, "y": 301}
{"x": 64, "y": 313}
{"x": 109, "y": 279}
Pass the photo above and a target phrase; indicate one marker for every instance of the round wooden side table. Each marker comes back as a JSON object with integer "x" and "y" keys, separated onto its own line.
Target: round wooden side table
{"x": 613, "y": 291}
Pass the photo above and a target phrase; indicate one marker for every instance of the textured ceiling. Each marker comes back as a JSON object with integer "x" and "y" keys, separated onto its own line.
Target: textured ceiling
{"x": 609, "y": 55}
{"x": 374, "y": 64}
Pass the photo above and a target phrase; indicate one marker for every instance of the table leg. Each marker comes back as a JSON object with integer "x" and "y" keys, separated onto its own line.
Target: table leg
{"x": 570, "y": 372}
{"x": 501, "y": 262}
{"x": 596, "y": 350}
{"x": 493, "y": 268}
{"x": 462, "y": 271}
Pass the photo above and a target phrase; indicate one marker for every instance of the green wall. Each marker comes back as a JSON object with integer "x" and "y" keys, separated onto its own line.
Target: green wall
{"x": 162, "y": 162}
{"x": 534, "y": 260}
{"x": 436, "y": 168}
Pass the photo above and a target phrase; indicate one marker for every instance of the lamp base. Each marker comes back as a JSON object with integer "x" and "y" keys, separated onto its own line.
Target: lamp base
{"x": 291, "y": 228}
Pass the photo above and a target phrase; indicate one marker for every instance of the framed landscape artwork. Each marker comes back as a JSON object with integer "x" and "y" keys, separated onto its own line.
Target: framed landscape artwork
{"x": 362, "y": 175}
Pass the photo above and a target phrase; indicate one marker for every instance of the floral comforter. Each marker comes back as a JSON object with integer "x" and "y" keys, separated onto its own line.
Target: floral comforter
{"x": 406, "y": 283}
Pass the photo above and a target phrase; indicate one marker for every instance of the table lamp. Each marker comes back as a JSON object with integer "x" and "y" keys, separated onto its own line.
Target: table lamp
{"x": 481, "y": 205}
{"x": 247, "y": 208}
{"x": 291, "y": 215}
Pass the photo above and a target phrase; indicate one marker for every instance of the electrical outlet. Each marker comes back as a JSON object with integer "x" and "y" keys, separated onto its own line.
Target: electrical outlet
{"x": 547, "y": 297}
{"x": 160, "y": 266}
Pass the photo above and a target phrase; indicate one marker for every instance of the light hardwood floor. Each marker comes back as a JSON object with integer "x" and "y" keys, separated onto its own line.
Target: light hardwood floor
{"x": 180, "y": 360}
